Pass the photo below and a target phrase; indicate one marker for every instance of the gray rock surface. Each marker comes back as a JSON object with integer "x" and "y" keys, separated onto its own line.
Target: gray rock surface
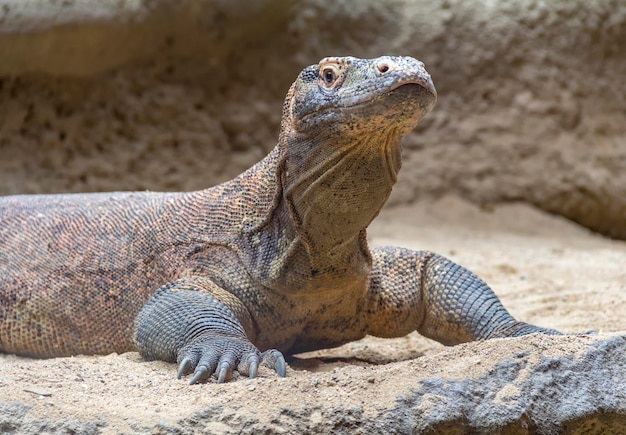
{"x": 169, "y": 95}
{"x": 541, "y": 385}
{"x": 572, "y": 394}
{"x": 581, "y": 393}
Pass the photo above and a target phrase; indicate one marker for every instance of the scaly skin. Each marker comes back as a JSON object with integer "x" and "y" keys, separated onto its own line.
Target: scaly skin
{"x": 275, "y": 260}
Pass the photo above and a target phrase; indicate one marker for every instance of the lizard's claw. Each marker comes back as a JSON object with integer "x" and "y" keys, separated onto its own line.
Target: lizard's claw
{"x": 184, "y": 367}
{"x": 220, "y": 355}
{"x": 249, "y": 365}
{"x": 275, "y": 360}
{"x": 200, "y": 373}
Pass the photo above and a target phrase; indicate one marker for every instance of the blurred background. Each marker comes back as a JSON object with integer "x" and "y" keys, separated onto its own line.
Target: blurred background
{"x": 99, "y": 95}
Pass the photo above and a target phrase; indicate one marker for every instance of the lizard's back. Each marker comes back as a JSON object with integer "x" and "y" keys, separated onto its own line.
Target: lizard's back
{"x": 75, "y": 269}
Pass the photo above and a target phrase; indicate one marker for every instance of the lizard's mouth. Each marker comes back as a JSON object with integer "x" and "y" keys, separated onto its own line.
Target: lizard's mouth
{"x": 422, "y": 92}
{"x": 409, "y": 98}
{"x": 427, "y": 87}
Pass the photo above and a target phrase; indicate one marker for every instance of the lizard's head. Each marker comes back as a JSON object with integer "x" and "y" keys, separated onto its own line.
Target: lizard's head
{"x": 340, "y": 142}
{"x": 347, "y": 95}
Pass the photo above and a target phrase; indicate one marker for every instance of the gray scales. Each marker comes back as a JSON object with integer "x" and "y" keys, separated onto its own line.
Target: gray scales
{"x": 272, "y": 262}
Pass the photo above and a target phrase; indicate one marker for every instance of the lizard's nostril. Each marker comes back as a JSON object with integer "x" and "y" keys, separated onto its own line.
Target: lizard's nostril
{"x": 383, "y": 68}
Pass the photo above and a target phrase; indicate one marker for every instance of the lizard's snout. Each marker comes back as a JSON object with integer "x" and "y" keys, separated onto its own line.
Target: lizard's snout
{"x": 407, "y": 70}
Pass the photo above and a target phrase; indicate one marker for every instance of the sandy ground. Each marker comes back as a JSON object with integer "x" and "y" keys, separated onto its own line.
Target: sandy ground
{"x": 545, "y": 269}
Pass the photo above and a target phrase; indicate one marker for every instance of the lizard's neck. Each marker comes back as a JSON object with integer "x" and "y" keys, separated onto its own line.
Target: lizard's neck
{"x": 334, "y": 187}
{"x": 311, "y": 200}
{"x": 331, "y": 189}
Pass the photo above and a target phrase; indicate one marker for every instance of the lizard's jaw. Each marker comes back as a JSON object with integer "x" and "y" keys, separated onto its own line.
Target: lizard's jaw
{"x": 399, "y": 109}
{"x": 422, "y": 90}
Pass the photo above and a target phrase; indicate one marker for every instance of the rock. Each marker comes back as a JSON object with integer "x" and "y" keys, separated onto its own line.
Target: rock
{"x": 14, "y": 418}
{"x": 535, "y": 384}
{"x": 526, "y": 392}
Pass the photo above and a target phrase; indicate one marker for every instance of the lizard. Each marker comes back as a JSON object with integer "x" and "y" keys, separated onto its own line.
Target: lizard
{"x": 271, "y": 263}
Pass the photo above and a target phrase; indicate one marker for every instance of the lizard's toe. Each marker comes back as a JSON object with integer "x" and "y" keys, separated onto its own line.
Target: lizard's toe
{"x": 249, "y": 365}
{"x": 206, "y": 366}
{"x": 273, "y": 359}
{"x": 186, "y": 366}
{"x": 201, "y": 373}
{"x": 225, "y": 372}
{"x": 228, "y": 361}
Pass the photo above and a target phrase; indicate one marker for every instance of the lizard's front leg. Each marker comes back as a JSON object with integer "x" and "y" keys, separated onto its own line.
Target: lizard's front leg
{"x": 203, "y": 328}
{"x": 423, "y": 291}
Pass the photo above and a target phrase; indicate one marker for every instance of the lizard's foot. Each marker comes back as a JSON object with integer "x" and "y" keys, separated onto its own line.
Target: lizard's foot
{"x": 221, "y": 354}
{"x": 199, "y": 332}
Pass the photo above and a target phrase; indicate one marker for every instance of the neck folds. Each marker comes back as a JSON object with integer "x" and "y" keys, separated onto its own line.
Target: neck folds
{"x": 334, "y": 187}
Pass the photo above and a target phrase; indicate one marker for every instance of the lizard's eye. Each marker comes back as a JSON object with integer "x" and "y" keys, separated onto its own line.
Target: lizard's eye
{"x": 329, "y": 75}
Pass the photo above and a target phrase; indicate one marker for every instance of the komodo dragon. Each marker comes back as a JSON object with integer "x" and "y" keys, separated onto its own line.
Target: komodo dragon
{"x": 275, "y": 260}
